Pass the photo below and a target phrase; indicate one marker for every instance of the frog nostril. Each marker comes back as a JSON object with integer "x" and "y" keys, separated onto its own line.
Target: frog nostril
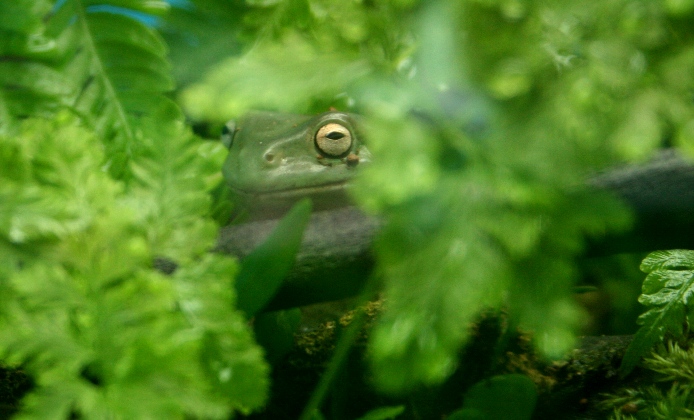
{"x": 269, "y": 157}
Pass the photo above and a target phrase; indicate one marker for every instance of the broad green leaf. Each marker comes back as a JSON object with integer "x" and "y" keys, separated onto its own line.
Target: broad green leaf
{"x": 264, "y": 269}
{"x": 384, "y": 413}
{"x": 505, "y": 397}
{"x": 275, "y": 332}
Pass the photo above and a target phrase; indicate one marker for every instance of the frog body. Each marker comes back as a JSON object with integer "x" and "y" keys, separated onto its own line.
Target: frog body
{"x": 275, "y": 159}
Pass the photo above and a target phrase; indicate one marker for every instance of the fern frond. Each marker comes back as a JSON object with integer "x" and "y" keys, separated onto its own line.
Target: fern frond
{"x": 117, "y": 89}
{"x": 107, "y": 67}
{"x": 667, "y": 292}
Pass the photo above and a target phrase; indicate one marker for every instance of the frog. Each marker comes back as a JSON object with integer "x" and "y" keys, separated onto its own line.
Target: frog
{"x": 275, "y": 159}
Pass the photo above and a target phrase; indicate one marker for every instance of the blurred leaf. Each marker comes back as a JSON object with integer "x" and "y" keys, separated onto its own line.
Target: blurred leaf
{"x": 107, "y": 67}
{"x": 170, "y": 175}
{"x": 200, "y": 36}
{"x": 384, "y": 413}
{"x": 42, "y": 166}
{"x": 272, "y": 76}
{"x": 232, "y": 361}
{"x": 509, "y": 397}
{"x": 275, "y": 332}
{"x": 410, "y": 169}
{"x": 264, "y": 269}
{"x": 24, "y": 15}
{"x": 83, "y": 310}
{"x": 148, "y": 6}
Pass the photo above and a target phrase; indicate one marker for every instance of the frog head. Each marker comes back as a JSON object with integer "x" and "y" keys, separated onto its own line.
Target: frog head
{"x": 275, "y": 159}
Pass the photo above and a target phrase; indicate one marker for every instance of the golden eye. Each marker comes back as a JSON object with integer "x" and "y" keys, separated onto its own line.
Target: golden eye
{"x": 334, "y": 139}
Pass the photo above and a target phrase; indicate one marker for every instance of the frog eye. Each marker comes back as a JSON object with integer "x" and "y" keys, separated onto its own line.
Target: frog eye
{"x": 334, "y": 139}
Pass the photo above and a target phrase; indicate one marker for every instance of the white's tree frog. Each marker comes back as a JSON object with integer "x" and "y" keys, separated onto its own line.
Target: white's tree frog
{"x": 275, "y": 159}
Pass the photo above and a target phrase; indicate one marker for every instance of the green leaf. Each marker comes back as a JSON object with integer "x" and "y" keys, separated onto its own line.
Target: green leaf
{"x": 489, "y": 233}
{"x": 24, "y": 15}
{"x": 108, "y": 68}
{"x": 275, "y": 332}
{"x": 148, "y": 6}
{"x": 234, "y": 363}
{"x": 667, "y": 291}
{"x": 272, "y": 76}
{"x": 83, "y": 310}
{"x": 509, "y": 397}
{"x": 384, "y": 413}
{"x": 33, "y": 89}
{"x": 43, "y": 164}
{"x": 110, "y": 30}
{"x": 264, "y": 269}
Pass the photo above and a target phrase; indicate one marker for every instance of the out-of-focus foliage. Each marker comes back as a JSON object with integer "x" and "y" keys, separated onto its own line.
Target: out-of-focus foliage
{"x": 484, "y": 118}
{"x": 256, "y": 79}
{"x": 383, "y": 413}
{"x": 264, "y": 269}
{"x": 98, "y": 176}
{"x": 509, "y": 397}
{"x": 297, "y": 55}
{"x": 108, "y": 68}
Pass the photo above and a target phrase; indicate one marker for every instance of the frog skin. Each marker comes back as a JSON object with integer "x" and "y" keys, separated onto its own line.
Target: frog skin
{"x": 275, "y": 159}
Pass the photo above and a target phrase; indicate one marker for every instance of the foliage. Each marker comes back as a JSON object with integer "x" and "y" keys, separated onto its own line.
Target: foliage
{"x": 666, "y": 292}
{"x": 509, "y": 397}
{"x": 485, "y": 118}
{"x": 265, "y": 268}
{"x": 479, "y": 214}
{"x": 673, "y": 399}
{"x": 100, "y": 175}
{"x": 653, "y": 403}
{"x": 673, "y": 364}
{"x": 383, "y": 413}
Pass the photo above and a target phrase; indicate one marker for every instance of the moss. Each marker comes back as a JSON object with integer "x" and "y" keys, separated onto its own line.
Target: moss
{"x": 14, "y": 383}
{"x": 670, "y": 392}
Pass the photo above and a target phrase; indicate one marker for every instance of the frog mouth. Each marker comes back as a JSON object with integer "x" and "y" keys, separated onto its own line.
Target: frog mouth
{"x": 294, "y": 192}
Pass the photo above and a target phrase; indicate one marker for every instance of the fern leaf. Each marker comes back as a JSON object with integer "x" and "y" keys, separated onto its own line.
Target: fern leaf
{"x": 80, "y": 299}
{"x": 119, "y": 84}
{"x": 107, "y": 67}
{"x": 33, "y": 88}
{"x": 667, "y": 291}
{"x": 23, "y": 16}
